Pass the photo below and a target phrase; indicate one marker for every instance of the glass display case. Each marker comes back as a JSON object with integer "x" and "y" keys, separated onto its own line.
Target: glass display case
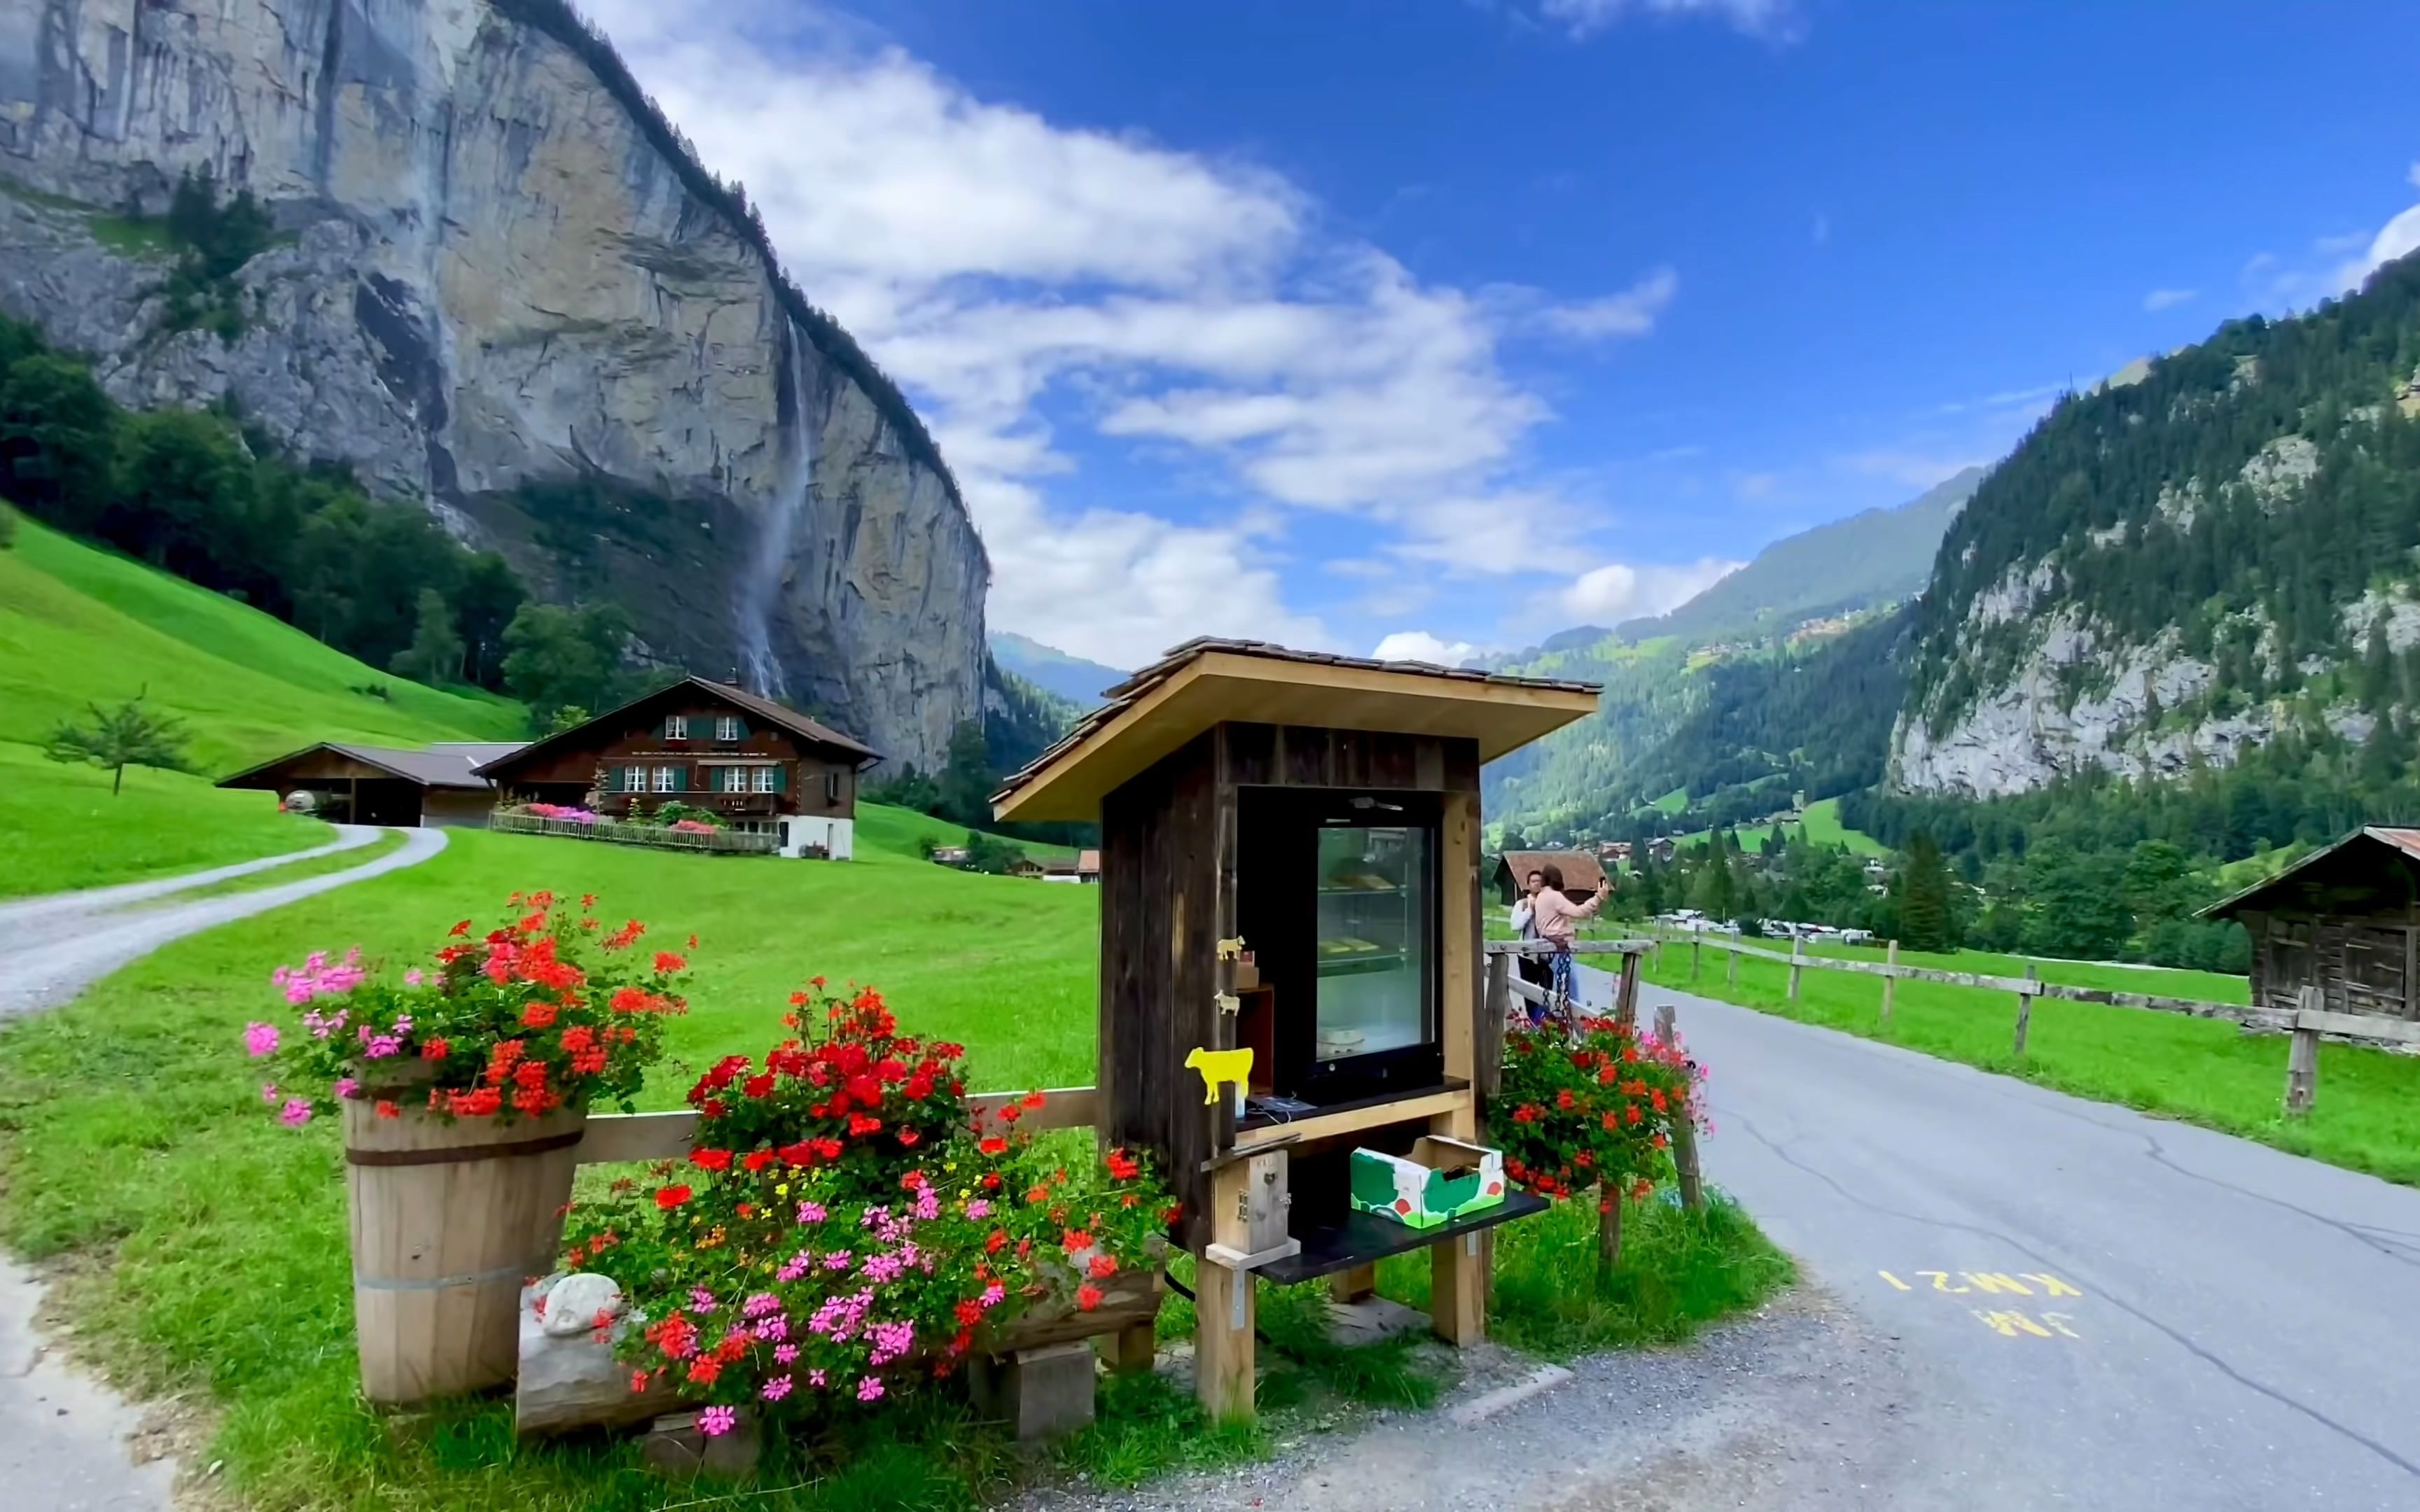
{"x": 1373, "y": 952}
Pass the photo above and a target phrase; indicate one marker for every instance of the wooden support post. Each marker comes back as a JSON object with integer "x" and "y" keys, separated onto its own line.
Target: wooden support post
{"x": 1731, "y": 964}
{"x": 1626, "y": 1000}
{"x": 1797, "y": 962}
{"x": 1131, "y": 1349}
{"x": 1608, "y": 1231}
{"x": 1458, "y": 1289}
{"x": 2024, "y": 1008}
{"x": 1352, "y": 1285}
{"x": 2303, "y": 1060}
{"x": 1684, "y": 1131}
{"x": 1890, "y": 981}
{"x": 1694, "y": 942}
{"x": 1223, "y": 1317}
{"x": 1487, "y": 1044}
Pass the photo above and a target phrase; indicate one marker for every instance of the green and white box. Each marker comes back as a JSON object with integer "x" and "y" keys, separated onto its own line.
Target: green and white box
{"x": 1462, "y": 1178}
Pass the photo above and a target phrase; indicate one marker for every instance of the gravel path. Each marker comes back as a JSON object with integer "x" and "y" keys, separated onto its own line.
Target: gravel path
{"x": 67, "y": 1443}
{"x": 52, "y": 948}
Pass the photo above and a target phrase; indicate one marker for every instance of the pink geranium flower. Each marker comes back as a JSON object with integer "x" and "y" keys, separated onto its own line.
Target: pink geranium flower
{"x": 260, "y": 1040}
{"x": 295, "y": 1114}
{"x": 714, "y": 1422}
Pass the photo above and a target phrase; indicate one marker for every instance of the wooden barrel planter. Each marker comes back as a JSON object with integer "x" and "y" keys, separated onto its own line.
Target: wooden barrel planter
{"x": 448, "y": 1220}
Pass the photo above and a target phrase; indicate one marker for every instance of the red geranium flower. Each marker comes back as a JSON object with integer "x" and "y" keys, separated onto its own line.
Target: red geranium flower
{"x": 710, "y": 1159}
{"x": 670, "y": 1197}
{"x": 668, "y": 963}
{"x": 1088, "y": 1296}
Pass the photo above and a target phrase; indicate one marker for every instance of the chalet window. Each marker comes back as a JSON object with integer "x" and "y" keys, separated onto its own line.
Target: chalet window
{"x": 676, "y": 727}
{"x": 831, "y": 787}
{"x": 634, "y": 780}
{"x": 664, "y": 779}
{"x": 726, "y": 727}
{"x": 764, "y": 779}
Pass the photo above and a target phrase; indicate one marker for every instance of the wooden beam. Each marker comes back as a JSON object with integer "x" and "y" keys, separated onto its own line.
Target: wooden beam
{"x": 1376, "y": 1115}
{"x": 1461, "y": 1001}
{"x": 1890, "y": 981}
{"x": 613, "y": 1138}
{"x": 2302, "y": 1057}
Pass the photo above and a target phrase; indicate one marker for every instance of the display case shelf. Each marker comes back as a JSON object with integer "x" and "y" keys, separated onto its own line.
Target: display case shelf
{"x": 1361, "y": 964}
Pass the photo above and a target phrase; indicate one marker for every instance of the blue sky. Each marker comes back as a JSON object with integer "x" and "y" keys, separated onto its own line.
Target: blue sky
{"x": 1441, "y": 324}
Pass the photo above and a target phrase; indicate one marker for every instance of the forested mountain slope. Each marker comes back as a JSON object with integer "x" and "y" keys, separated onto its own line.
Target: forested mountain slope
{"x": 2170, "y": 573}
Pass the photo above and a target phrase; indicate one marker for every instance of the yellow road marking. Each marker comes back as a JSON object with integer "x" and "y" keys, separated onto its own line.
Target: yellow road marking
{"x": 1941, "y": 1281}
{"x": 1896, "y": 1281}
{"x": 2051, "y": 1285}
{"x": 1994, "y": 1281}
{"x": 2011, "y": 1324}
{"x": 2060, "y": 1321}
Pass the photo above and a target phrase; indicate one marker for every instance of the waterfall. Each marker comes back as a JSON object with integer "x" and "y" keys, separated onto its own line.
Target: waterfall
{"x": 760, "y": 589}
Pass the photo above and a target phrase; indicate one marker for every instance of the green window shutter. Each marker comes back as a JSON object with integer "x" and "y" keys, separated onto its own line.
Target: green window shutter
{"x": 741, "y": 725}
{"x": 781, "y": 780}
{"x": 680, "y": 779}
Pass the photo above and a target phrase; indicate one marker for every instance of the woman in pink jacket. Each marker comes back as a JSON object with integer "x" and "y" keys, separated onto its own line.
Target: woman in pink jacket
{"x": 1558, "y": 918}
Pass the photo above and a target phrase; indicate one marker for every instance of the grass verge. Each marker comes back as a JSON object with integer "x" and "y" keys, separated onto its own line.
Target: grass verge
{"x": 2198, "y": 1070}
{"x": 1680, "y": 1271}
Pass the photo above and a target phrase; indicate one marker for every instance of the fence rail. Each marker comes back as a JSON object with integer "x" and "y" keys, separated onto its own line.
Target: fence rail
{"x": 2306, "y": 1023}
{"x": 721, "y": 842}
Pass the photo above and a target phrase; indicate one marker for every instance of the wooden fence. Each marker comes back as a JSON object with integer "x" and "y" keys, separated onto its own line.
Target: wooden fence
{"x": 2306, "y": 1023}
{"x": 721, "y": 842}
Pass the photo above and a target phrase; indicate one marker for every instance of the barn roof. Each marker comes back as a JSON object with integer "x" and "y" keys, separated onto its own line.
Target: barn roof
{"x": 739, "y": 698}
{"x": 2399, "y": 840}
{"x": 450, "y": 765}
{"x": 1209, "y": 681}
{"x": 1582, "y": 872}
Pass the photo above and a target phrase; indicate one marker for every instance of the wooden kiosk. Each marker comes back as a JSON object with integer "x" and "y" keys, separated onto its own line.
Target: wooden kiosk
{"x": 1290, "y": 852}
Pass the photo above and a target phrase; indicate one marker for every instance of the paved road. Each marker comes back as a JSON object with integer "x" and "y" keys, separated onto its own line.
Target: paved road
{"x": 2095, "y": 1308}
{"x": 52, "y": 948}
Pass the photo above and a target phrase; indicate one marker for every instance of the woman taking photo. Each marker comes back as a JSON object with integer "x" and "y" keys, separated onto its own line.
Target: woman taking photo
{"x": 1557, "y": 919}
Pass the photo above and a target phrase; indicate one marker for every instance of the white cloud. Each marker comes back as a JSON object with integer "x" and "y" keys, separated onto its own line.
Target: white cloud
{"x": 1419, "y": 645}
{"x": 2162, "y": 298}
{"x": 1618, "y": 591}
{"x": 1774, "y": 19}
{"x": 1630, "y": 313}
{"x": 995, "y": 262}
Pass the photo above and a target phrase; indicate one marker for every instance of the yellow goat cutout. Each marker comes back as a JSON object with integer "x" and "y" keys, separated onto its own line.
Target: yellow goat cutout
{"x": 1220, "y": 1066}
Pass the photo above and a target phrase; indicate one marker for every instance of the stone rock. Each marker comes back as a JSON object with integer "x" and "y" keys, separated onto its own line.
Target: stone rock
{"x": 568, "y": 1376}
{"x": 574, "y": 1304}
{"x": 677, "y": 1447}
{"x": 495, "y": 273}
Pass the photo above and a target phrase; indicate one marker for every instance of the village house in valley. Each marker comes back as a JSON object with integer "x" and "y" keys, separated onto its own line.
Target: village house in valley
{"x": 763, "y": 768}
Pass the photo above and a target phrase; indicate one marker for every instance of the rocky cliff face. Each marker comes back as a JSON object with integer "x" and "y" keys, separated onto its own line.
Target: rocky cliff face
{"x": 502, "y": 273}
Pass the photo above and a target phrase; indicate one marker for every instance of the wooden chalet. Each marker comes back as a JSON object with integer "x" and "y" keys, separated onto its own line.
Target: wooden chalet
{"x": 1582, "y": 872}
{"x": 1322, "y": 814}
{"x": 2345, "y": 919}
{"x": 436, "y": 785}
{"x": 765, "y": 769}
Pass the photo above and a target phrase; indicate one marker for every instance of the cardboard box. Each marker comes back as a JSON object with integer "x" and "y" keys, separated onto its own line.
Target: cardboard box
{"x": 1441, "y": 1181}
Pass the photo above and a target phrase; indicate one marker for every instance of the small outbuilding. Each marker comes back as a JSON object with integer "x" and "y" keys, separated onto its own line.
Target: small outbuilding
{"x": 437, "y": 785}
{"x": 1582, "y": 874}
{"x": 2345, "y": 919}
{"x": 1316, "y": 819}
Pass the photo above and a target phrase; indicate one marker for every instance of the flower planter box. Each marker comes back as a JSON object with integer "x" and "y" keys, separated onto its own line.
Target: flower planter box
{"x": 448, "y": 1220}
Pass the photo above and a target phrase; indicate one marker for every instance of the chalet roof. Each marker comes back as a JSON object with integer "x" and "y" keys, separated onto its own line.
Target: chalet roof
{"x": 2404, "y": 843}
{"x": 1209, "y": 681}
{"x": 453, "y": 766}
{"x": 1581, "y": 871}
{"x": 739, "y": 698}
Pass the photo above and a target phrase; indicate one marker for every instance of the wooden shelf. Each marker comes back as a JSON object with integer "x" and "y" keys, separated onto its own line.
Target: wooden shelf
{"x": 1363, "y": 1239}
{"x": 1449, "y": 1096}
{"x": 1360, "y": 965}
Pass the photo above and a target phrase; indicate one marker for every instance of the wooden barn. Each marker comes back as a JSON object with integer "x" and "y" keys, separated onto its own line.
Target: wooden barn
{"x": 439, "y": 785}
{"x": 2345, "y": 919}
{"x": 1319, "y": 815}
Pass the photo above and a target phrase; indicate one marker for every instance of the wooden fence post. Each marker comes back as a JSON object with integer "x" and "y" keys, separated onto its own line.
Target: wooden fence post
{"x": 1626, "y": 1000}
{"x": 1684, "y": 1131}
{"x": 2024, "y": 1006}
{"x": 1694, "y": 939}
{"x": 1797, "y": 962}
{"x": 1731, "y": 967}
{"x": 2302, "y": 1059}
{"x": 1890, "y": 979}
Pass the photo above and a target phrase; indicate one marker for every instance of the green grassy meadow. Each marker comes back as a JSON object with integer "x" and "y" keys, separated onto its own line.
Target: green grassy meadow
{"x": 1822, "y": 825}
{"x": 79, "y": 625}
{"x": 2169, "y": 982}
{"x": 2198, "y": 1070}
{"x": 60, "y": 828}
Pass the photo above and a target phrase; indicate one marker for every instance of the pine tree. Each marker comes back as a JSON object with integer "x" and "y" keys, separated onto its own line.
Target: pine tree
{"x": 1924, "y": 918}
